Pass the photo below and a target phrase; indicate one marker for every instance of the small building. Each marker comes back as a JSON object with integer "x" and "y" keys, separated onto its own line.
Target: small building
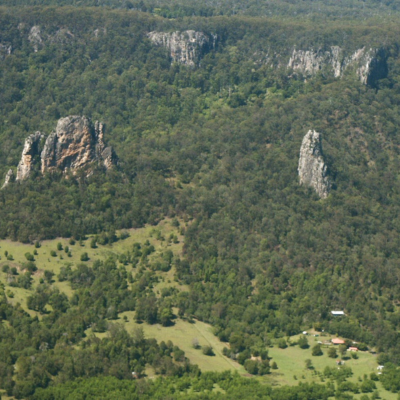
{"x": 380, "y": 367}
{"x": 337, "y": 341}
{"x": 352, "y": 349}
{"x": 338, "y": 313}
{"x": 305, "y": 333}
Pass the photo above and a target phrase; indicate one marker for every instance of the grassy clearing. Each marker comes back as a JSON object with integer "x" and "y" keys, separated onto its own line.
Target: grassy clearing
{"x": 291, "y": 361}
{"x": 292, "y": 370}
{"x": 182, "y": 334}
{"x": 157, "y": 236}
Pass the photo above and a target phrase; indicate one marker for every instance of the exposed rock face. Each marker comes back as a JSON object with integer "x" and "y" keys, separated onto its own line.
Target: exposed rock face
{"x": 309, "y": 62}
{"x": 30, "y": 151}
{"x": 5, "y": 50}
{"x": 61, "y": 36}
{"x": 185, "y": 47}
{"x": 9, "y": 178}
{"x": 75, "y": 144}
{"x": 370, "y": 65}
{"x": 312, "y": 168}
{"x": 38, "y": 39}
{"x": 35, "y": 37}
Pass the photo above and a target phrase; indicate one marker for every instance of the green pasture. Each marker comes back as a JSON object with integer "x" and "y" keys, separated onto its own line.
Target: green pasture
{"x": 156, "y": 235}
{"x": 291, "y": 361}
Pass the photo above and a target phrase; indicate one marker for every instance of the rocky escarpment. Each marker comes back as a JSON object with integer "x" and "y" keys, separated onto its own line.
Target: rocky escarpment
{"x": 29, "y": 155}
{"x": 76, "y": 144}
{"x": 185, "y": 47}
{"x": 369, "y": 64}
{"x": 312, "y": 169}
{"x": 38, "y": 39}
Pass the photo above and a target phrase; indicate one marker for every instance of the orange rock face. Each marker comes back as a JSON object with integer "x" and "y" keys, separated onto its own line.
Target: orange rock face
{"x": 76, "y": 144}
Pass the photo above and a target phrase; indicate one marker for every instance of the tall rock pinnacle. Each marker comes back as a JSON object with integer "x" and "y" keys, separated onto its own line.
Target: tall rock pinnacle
{"x": 312, "y": 168}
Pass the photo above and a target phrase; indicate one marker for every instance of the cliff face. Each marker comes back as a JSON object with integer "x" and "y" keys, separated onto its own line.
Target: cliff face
{"x": 76, "y": 144}
{"x": 369, "y": 64}
{"x": 29, "y": 153}
{"x": 38, "y": 39}
{"x": 312, "y": 169}
{"x": 185, "y": 47}
{"x": 35, "y": 37}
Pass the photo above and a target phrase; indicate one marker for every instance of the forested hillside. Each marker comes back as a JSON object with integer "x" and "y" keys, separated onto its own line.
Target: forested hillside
{"x": 209, "y": 135}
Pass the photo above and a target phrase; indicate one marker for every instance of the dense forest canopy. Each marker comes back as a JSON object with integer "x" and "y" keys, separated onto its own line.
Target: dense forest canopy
{"x": 215, "y": 145}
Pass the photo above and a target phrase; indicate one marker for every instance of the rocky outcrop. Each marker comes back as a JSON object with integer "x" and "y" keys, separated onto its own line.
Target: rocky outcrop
{"x": 35, "y": 37}
{"x": 9, "y": 178}
{"x": 185, "y": 47}
{"x": 309, "y": 62}
{"x": 39, "y": 39}
{"x": 5, "y": 50}
{"x": 369, "y": 64}
{"x": 61, "y": 36}
{"x": 312, "y": 169}
{"x": 75, "y": 144}
{"x": 29, "y": 155}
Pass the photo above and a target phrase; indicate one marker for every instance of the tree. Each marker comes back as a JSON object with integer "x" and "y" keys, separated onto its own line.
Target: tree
{"x": 166, "y": 316}
{"x": 308, "y": 363}
{"x": 282, "y": 343}
{"x": 332, "y": 352}
{"x": 342, "y": 349}
{"x": 84, "y": 257}
{"x": 195, "y": 343}
{"x": 316, "y": 350}
{"x": 208, "y": 350}
{"x": 48, "y": 275}
{"x": 251, "y": 366}
{"x": 303, "y": 342}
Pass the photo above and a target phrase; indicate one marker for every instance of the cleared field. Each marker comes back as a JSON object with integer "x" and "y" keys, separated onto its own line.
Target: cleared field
{"x": 291, "y": 361}
{"x": 292, "y": 369}
{"x": 182, "y": 335}
{"x": 157, "y": 236}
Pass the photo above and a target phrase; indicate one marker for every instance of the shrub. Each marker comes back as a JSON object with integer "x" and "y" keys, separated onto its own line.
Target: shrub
{"x": 53, "y": 253}
{"x": 84, "y": 257}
